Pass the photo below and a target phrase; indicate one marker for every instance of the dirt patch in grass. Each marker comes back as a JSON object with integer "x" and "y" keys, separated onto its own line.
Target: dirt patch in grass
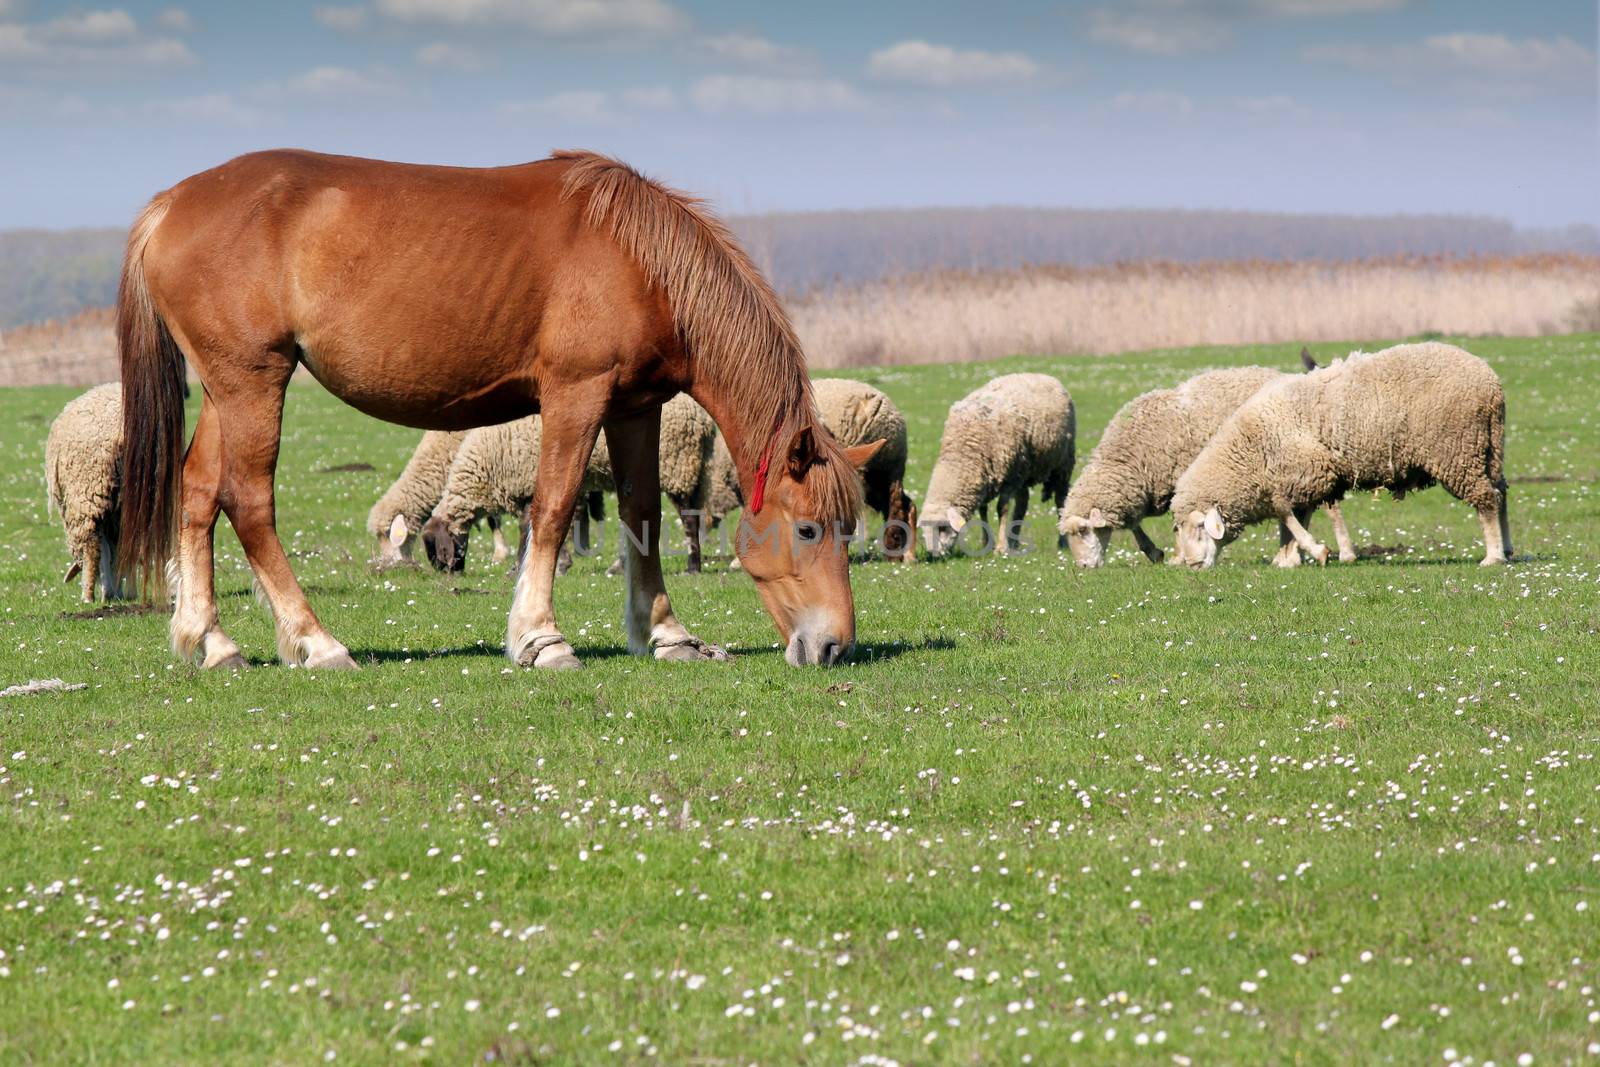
{"x": 348, "y": 468}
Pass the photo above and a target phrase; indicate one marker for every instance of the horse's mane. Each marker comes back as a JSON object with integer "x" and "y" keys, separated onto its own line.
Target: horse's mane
{"x": 735, "y": 329}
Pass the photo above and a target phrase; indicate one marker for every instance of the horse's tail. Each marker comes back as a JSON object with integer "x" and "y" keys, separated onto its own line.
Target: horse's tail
{"x": 152, "y": 416}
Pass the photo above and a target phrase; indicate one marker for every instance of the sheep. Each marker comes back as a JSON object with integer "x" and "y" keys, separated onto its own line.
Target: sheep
{"x": 83, "y": 473}
{"x": 398, "y": 516}
{"x": 1399, "y": 419}
{"x": 856, "y": 414}
{"x": 1017, "y": 431}
{"x": 1150, "y": 442}
{"x": 497, "y": 467}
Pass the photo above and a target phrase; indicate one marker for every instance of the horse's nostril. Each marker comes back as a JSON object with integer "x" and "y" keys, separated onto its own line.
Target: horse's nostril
{"x": 829, "y": 652}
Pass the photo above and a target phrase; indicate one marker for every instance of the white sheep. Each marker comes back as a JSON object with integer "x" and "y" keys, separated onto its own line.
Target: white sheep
{"x": 856, "y": 414}
{"x": 82, "y": 473}
{"x": 496, "y": 469}
{"x": 1149, "y": 443}
{"x": 1017, "y": 431}
{"x": 397, "y": 518}
{"x": 1399, "y": 419}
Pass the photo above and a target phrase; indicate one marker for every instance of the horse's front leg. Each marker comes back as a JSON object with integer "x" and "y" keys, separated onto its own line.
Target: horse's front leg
{"x": 570, "y": 428}
{"x": 635, "y": 446}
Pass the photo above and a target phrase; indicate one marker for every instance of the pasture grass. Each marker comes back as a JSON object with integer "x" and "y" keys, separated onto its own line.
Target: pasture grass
{"x": 1137, "y": 814}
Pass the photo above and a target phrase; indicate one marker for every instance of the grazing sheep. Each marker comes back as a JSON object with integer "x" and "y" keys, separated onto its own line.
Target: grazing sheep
{"x": 856, "y": 414}
{"x": 397, "y": 518}
{"x": 496, "y": 469}
{"x": 1017, "y": 431}
{"x": 82, "y": 473}
{"x": 1150, "y": 442}
{"x": 1399, "y": 419}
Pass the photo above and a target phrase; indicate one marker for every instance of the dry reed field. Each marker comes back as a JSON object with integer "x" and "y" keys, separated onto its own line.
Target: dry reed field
{"x": 944, "y": 317}
{"x": 949, "y": 316}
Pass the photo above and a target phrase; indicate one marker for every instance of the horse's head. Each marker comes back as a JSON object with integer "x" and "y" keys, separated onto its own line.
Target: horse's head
{"x": 797, "y": 546}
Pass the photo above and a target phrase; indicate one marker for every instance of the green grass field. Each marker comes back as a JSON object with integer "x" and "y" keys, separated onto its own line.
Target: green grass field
{"x": 1137, "y": 814}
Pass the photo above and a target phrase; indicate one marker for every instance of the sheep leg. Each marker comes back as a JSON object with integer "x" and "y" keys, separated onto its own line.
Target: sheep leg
{"x": 195, "y": 630}
{"x": 1288, "y": 552}
{"x": 1002, "y": 508}
{"x": 252, "y": 422}
{"x": 1302, "y": 537}
{"x": 1493, "y": 548}
{"x": 91, "y": 565}
{"x": 570, "y": 428}
{"x": 1147, "y": 546}
{"x": 635, "y": 447}
{"x": 1341, "y": 533}
{"x": 690, "y": 517}
{"x": 1505, "y": 525}
{"x": 1014, "y": 527}
{"x": 501, "y": 549}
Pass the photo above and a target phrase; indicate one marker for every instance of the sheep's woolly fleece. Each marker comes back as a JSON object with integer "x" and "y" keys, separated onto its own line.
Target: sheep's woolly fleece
{"x": 82, "y": 470}
{"x": 419, "y": 487}
{"x": 1399, "y": 419}
{"x": 496, "y": 467}
{"x": 1151, "y": 441}
{"x": 1017, "y": 431}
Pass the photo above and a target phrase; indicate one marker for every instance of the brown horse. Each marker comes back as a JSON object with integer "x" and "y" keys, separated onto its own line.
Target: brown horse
{"x": 447, "y": 298}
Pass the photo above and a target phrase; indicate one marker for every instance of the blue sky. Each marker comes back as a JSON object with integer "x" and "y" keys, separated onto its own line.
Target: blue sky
{"x": 1299, "y": 105}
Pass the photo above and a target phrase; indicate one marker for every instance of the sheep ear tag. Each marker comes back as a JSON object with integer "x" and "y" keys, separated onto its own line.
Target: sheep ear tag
{"x": 398, "y": 531}
{"x": 956, "y": 519}
{"x": 1214, "y": 524}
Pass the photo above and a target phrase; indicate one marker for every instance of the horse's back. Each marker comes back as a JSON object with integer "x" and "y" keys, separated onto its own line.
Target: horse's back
{"x": 420, "y": 294}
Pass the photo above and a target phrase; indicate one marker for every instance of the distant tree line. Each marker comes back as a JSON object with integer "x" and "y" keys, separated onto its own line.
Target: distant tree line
{"x": 53, "y": 274}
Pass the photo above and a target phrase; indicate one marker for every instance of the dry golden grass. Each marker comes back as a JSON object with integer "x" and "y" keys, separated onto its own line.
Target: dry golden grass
{"x": 81, "y": 350}
{"x": 950, "y": 316}
{"x": 955, "y": 317}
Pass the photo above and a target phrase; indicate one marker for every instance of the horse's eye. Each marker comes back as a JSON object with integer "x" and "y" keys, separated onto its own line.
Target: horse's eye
{"x": 810, "y": 533}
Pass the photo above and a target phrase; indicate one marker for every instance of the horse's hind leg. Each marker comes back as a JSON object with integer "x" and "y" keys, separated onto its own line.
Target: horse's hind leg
{"x": 195, "y": 630}
{"x": 252, "y": 420}
{"x": 635, "y": 449}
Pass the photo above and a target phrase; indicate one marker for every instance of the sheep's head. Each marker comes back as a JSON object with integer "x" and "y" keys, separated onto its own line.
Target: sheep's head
{"x": 1088, "y": 537}
{"x": 446, "y": 548}
{"x": 1200, "y": 537}
{"x": 939, "y": 532}
{"x": 394, "y": 544}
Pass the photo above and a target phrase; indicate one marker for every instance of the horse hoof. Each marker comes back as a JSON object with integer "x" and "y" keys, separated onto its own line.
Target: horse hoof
{"x": 331, "y": 661}
{"x": 549, "y": 655}
{"x": 614, "y": 570}
{"x": 693, "y": 651}
{"x": 231, "y": 661}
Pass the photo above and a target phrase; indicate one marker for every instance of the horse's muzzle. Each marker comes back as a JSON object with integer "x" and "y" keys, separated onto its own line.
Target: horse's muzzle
{"x": 816, "y": 649}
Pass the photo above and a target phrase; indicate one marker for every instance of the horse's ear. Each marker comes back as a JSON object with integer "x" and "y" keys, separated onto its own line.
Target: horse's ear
{"x": 860, "y": 455}
{"x": 802, "y": 453}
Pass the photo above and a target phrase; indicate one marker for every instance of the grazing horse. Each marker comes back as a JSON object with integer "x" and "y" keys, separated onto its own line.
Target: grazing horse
{"x": 446, "y": 298}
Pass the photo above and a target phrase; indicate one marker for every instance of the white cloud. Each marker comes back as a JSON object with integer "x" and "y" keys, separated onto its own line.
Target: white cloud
{"x": 1167, "y": 31}
{"x": 89, "y": 40}
{"x": 558, "y": 17}
{"x": 343, "y": 19}
{"x": 1489, "y": 63}
{"x": 754, "y": 50}
{"x": 1276, "y": 104}
{"x": 448, "y": 56}
{"x": 1154, "y": 102}
{"x": 919, "y": 62}
{"x": 334, "y": 82}
{"x": 594, "y": 106}
{"x": 725, "y": 93}
{"x": 175, "y": 19}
